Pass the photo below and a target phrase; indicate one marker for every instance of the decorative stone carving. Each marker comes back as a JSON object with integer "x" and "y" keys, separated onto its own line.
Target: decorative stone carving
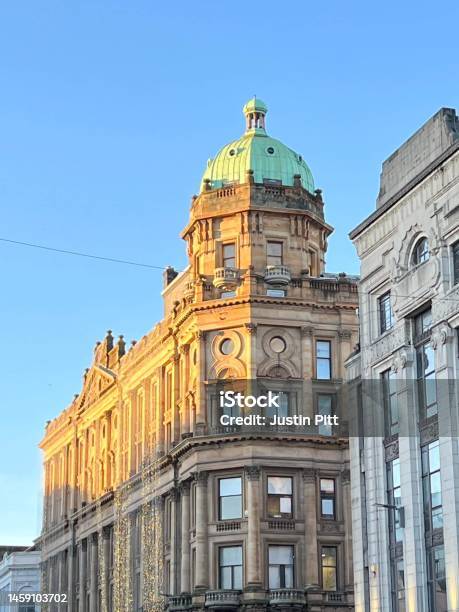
{"x": 440, "y": 335}
{"x": 346, "y": 476}
{"x": 387, "y": 344}
{"x": 252, "y": 472}
{"x": 309, "y": 475}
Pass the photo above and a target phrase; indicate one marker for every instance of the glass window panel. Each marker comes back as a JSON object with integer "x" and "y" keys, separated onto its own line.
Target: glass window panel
{"x": 274, "y": 248}
{"x": 279, "y": 485}
{"x": 281, "y": 555}
{"x": 329, "y": 578}
{"x": 273, "y": 505}
{"x": 434, "y": 456}
{"x": 435, "y": 489}
{"x": 230, "y": 507}
{"x": 327, "y": 485}
{"x": 237, "y": 577}
{"x": 396, "y": 473}
{"x": 329, "y": 555}
{"x": 230, "y": 486}
{"x": 274, "y": 577}
{"x": 437, "y": 518}
{"x": 323, "y": 348}
{"x": 328, "y": 507}
{"x": 289, "y": 577}
{"x": 323, "y": 369}
{"x": 286, "y": 505}
{"x": 225, "y": 577}
{"x": 231, "y": 555}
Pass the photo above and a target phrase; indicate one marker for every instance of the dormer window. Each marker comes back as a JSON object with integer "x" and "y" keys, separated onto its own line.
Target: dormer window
{"x": 421, "y": 252}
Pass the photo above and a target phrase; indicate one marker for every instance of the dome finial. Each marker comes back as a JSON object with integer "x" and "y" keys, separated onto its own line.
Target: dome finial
{"x": 255, "y": 111}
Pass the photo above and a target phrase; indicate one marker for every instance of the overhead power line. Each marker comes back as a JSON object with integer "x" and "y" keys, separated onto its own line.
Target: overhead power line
{"x": 79, "y": 254}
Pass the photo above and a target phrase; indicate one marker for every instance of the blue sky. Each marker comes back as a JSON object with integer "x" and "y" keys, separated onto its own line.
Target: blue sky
{"x": 108, "y": 113}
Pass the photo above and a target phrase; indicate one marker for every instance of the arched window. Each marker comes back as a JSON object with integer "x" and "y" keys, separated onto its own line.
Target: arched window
{"x": 421, "y": 252}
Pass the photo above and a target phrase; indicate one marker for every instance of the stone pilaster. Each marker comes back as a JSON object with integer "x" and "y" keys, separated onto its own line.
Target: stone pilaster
{"x": 254, "y": 579}
{"x": 347, "y": 517}
{"x": 173, "y": 541}
{"x": 310, "y": 526}
{"x": 82, "y": 553}
{"x": 93, "y": 580}
{"x": 200, "y": 391}
{"x": 202, "y": 545}
{"x": 185, "y": 533}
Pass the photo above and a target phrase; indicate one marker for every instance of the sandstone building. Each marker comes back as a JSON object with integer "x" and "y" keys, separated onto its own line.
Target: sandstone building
{"x": 149, "y": 500}
{"x": 405, "y": 464}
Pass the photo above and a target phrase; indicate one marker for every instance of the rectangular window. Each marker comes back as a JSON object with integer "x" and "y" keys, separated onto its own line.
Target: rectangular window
{"x": 279, "y": 496}
{"x": 436, "y": 575}
{"x": 227, "y": 294}
{"x": 230, "y": 498}
{"x": 327, "y": 498}
{"x": 324, "y": 408}
{"x": 323, "y": 359}
{"x": 398, "y": 588}
{"x": 390, "y": 405}
{"x": 329, "y": 568}
{"x": 431, "y": 484}
{"x": 229, "y": 255}
{"x": 386, "y": 317}
{"x": 274, "y": 253}
{"x": 280, "y": 567}
{"x": 282, "y": 409}
{"x": 394, "y": 499}
{"x": 456, "y": 263}
{"x": 230, "y": 567}
{"x": 427, "y": 385}
{"x": 422, "y": 324}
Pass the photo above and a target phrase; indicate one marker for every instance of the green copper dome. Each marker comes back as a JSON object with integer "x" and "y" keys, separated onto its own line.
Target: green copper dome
{"x": 268, "y": 159}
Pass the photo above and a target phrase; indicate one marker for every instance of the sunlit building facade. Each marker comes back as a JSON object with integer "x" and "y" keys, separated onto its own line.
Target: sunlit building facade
{"x": 405, "y": 464}
{"x": 149, "y": 501}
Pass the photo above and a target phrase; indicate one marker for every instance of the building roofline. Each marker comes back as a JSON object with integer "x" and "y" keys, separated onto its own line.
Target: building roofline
{"x": 406, "y": 189}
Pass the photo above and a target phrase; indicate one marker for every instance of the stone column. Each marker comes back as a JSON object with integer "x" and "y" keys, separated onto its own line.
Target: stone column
{"x": 82, "y": 564}
{"x": 347, "y": 517}
{"x": 71, "y": 587}
{"x": 448, "y": 428}
{"x": 160, "y": 401}
{"x": 173, "y": 541}
{"x": 253, "y": 527}
{"x": 310, "y": 526}
{"x": 185, "y": 404}
{"x": 104, "y": 540}
{"x": 200, "y": 391}
{"x": 202, "y": 545}
{"x": 185, "y": 560}
{"x": 93, "y": 581}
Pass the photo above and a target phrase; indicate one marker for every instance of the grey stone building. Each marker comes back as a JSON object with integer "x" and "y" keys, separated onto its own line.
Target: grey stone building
{"x": 405, "y": 461}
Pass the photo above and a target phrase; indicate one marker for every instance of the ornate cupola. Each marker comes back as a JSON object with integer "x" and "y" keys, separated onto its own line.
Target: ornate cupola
{"x": 256, "y": 157}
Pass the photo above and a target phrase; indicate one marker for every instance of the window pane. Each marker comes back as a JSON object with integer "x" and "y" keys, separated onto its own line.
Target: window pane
{"x": 328, "y": 507}
{"x": 231, "y": 555}
{"x": 228, "y": 250}
{"x": 434, "y": 456}
{"x": 274, "y": 577}
{"x": 281, "y": 555}
{"x": 237, "y": 577}
{"x": 273, "y": 506}
{"x": 323, "y": 369}
{"x": 289, "y": 577}
{"x": 230, "y": 507}
{"x": 329, "y": 556}
{"x": 275, "y": 248}
{"x": 286, "y": 505}
{"x": 435, "y": 489}
{"x": 230, "y": 486}
{"x": 329, "y": 578}
{"x": 323, "y": 348}
{"x": 225, "y": 577}
{"x": 327, "y": 485}
{"x": 279, "y": 485}
{"x": 396, "y": 473}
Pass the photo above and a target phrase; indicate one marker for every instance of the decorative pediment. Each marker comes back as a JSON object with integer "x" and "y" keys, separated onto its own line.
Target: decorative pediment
{"x": 96, "y": 380}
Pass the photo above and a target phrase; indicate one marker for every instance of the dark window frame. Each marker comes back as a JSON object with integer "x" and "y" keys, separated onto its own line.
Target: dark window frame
{"x": 455, "y": 254}
{"x": 386, "y": 314}
{"x": 390, "y": 402}
{"x": 432, "y": 514}
{"x": 278, "y": 497}
{"x": 229, "y": 258}
{"x": 421, "y": 252}
{"x": 324, "y": 567}
{"x": 327, "y": 496}
{"x": 282, "y": 567}
{"x": 221, "y": 567}
{"x": 327, "y": 360}
{"x": 221, "y": 497}
{"x": 274, "y": 259}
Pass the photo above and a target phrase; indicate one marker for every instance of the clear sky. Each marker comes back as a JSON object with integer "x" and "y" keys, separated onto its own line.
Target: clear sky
{"x": 108, "y": 114}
